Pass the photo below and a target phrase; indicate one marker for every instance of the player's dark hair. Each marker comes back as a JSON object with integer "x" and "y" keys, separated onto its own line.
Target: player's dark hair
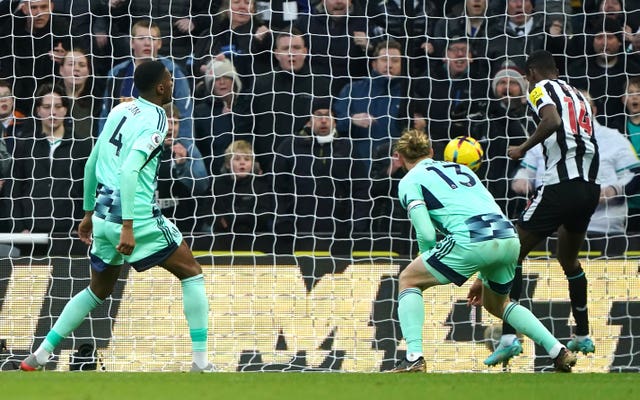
{"x": 542, "y": 61}
{"x": 148, "y": 75}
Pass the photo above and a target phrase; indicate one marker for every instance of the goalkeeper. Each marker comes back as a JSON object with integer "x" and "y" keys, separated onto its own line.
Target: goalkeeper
{"x": 125, "y": 222}
{"x": 478, "y": 238}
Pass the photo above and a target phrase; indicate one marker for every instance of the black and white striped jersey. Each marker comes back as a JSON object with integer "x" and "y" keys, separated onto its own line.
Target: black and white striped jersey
{"x": 572, "y": 152}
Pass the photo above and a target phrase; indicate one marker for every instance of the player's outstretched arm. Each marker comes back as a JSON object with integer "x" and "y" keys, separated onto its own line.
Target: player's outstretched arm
{"x": 550, "y": 121}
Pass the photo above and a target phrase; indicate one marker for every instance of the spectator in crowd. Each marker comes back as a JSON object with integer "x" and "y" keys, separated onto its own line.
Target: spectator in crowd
{"x": 624, "y": 13}
{"x": 11, "y": 123}
{"x": 80, "y": 12}
{"x": 242, "y": 201}
{"x": 178, "y": 20}
{"x": 408, "y": 23}
{"x": 239, "y": 35}
{"x": 11, "y": 119}
{"x": 387, "y": 213}
{"x": 472, "y": 23}
{"x": 48, "y": 168}
{"x": 631, "y": 127}
{"x": 370, "y": 110}
{"x": 214, "y": 117}
{"x": 518, "y": 31}
{"x": 78, "y": 81}
{"x": 604, "y": 73}
{"x": 182, "y": 175}
{"x": 320, "y": 188}
{"x": 618, "y": 166}
{"x": 454, "y": 97}
{"x": 5, "y": 203}
{"x": 36, "y": 39}
{"x": 509, "y": 125}
{"x": 338, "y": 42}
{"x": 281, "y": 102}
{"x": 5, "y": 161}
{"x": 145, "y": 44}
{"x": 562, "y": 11}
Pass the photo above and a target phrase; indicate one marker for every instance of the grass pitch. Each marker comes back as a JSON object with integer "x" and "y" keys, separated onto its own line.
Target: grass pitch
{"x": 326, "y": 386}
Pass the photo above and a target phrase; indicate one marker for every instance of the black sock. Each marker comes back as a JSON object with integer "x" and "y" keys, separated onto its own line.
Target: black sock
{"x": 578, "y": 295}
{"x": 516, "y": 291}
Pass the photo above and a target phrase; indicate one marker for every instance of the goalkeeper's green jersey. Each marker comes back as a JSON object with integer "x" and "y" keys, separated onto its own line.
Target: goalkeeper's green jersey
{"x": 138, "y": 125}
{"x": 456, "y": 200}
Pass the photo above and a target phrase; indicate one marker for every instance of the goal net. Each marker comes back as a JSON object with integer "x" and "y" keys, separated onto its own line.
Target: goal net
{"x": 281, "y": 175}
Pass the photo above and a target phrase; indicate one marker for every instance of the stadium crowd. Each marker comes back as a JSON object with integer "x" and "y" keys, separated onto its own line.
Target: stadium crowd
{"x": 285, "y": 112}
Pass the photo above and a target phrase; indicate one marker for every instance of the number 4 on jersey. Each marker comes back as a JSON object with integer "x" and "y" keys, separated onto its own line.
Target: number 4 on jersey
{"x": 116, "y": 138}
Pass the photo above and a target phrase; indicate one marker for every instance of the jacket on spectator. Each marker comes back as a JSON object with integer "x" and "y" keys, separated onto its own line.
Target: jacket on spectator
{"x": 26, "y": 54}
{"x": 279, "y": 107}
{"x": 332, "y": 50}
{"x": 505, "y": 44}
{"x": 214, "y": 130}
{"x": 320, "y": 187}
{"x": 241, "y": 205}
{"x": 47, "y": 190}
{"x": 383, "y": 99}
{"x": 250, "y": 57}
{"x": 452, "y": 106}
{"x": 117, "y": 21}
{"x": 182, "y": 186}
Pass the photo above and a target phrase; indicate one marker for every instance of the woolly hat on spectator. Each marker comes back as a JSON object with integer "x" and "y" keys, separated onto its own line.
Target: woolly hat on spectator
{"x": 510, "y": 71}
{"x": 321, "y": 103}
{"x": 220, "y": 68}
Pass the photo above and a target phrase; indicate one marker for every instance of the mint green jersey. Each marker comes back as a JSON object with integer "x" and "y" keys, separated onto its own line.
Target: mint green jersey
{"x": 457, "y": 202}
{"x": 138, "y": 125}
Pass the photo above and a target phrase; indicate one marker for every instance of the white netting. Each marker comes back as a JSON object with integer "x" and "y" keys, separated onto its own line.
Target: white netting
{"x": 301, "y": 258}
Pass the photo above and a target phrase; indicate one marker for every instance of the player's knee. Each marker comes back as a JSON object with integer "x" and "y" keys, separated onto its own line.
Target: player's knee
{"x": 101, "y": 292}
{"x": 407, "y": 279}
{"x": 192, "y": 269}
{"x": 570, "y": 265}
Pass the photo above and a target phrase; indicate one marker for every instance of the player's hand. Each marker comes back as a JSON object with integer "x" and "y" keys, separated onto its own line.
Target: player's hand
{"x": 127, "y": 242}
{"x": 474, "y": 297}
{"x": 85, "y": 229}
{"x": 515, "y": 152}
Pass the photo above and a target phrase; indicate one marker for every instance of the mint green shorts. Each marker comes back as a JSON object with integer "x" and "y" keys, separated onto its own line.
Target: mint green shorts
{"x": 156, "y": 239}
{"x": 494, "y": 259}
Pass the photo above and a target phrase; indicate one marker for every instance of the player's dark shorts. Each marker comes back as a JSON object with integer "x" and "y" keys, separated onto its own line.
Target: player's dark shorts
{"x": 570, "y": 203}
